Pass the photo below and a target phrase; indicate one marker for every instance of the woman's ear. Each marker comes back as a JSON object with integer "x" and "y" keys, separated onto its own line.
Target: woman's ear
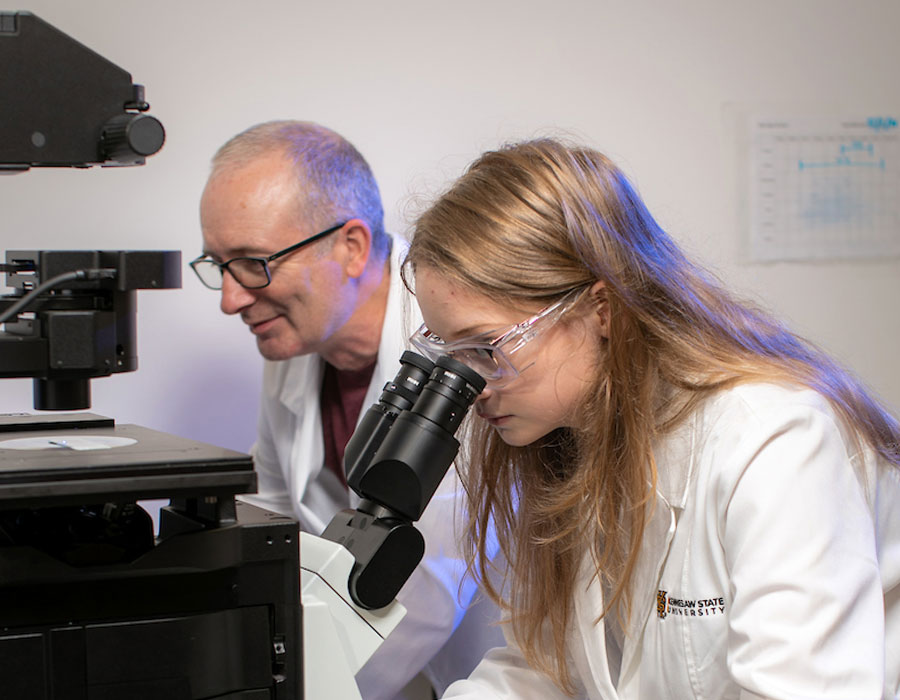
{"x": 600, "y": 304}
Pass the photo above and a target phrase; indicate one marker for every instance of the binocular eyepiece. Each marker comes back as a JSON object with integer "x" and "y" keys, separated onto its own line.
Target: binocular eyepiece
{"x": 404, "y": 444}
{"x": 395, "y": 461}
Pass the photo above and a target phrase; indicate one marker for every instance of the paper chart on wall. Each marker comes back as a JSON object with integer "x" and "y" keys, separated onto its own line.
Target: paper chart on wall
{"x": 824, "y": 188}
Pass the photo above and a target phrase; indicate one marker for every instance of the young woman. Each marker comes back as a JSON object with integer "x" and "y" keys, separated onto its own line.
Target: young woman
{"x": 692, "y": 502}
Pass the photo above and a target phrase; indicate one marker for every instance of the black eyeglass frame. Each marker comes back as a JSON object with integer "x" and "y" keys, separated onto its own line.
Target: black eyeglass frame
{"x": 262, "y": 260}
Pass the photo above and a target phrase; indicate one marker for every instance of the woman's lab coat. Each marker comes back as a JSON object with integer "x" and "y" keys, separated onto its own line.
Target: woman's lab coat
{"x": 770, "y": 569}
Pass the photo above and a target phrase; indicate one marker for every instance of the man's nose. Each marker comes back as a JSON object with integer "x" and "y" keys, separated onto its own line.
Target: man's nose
{"x": 235, "y": 297}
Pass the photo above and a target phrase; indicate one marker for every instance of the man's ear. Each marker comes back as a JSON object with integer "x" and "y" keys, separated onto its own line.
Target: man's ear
{"x": 356, "y": 243}
{"x": 600, "y": 303}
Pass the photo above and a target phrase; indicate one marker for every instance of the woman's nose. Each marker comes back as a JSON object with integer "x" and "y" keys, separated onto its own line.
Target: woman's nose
{"x": 485, "y": 394}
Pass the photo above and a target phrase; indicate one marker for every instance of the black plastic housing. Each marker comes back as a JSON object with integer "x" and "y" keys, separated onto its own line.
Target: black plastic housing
{"x": 213, "y": 613}
{"x": 93, "y": 607}
{"x": 65, "y": 105}
{"x": 80, "y": 329}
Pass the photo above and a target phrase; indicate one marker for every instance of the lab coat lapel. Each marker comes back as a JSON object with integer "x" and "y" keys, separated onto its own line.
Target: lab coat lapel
{"x": 657, "y": 539}
{"x": 590, "y": 638}
{"x": 674, "y": 461}
{"x": 300, "y": 394}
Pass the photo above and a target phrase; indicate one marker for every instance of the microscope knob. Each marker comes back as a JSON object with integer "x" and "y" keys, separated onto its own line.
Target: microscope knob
{"x": 128, "y": 138}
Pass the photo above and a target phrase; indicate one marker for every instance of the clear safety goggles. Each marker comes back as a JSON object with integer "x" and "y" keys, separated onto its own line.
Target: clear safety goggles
{"x": 493, "y": 358}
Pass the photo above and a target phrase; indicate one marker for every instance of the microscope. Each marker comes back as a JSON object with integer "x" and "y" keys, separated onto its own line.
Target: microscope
{"x": 93, "y": 604}
{"x": 394, "y": 461}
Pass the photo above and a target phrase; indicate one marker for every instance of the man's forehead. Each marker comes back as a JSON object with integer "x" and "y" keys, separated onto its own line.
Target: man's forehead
{"x": 260, "y": 183}
{"x": 249, "y": 211}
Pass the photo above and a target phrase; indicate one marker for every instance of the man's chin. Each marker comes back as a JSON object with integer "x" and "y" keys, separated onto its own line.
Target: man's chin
{"x": 274, "y": 351}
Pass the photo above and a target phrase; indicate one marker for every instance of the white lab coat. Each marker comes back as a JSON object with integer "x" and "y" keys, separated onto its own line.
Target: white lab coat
{"x": 770, "y": 569}
{"x": 288, "y": 457}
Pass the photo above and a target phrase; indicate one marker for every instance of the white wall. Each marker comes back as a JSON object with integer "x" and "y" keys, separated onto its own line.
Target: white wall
{"x": 421, "y": 88}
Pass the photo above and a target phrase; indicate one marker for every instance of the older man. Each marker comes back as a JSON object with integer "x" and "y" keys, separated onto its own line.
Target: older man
{"x": 293, "y": 235}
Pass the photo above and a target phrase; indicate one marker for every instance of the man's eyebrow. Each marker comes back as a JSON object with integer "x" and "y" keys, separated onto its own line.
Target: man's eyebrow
{"x": 238, "y": 253}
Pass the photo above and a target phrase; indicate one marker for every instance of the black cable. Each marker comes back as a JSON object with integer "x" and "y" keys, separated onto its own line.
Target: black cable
{"x": 92, "y": 274}
{"x": 24, "y": 266}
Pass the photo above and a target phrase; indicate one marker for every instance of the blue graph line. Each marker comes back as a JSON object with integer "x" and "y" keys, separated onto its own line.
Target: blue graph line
{"x": 842, "y": 163}
{"x": 845, "y": 160}
{"x": 857, "y": 146}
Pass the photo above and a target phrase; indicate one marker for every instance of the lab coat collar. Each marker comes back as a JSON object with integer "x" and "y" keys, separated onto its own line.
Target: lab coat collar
{"x": 302, "y": 381}
{"x": 674, "y": 455}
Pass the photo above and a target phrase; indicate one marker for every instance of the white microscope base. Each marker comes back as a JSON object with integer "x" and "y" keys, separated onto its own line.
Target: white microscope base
{"x": 338, "y": 636}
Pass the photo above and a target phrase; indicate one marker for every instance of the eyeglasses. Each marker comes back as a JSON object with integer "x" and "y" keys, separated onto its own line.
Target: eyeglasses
{"x": 492, "y": 359}
{"x": 248, "y": 271}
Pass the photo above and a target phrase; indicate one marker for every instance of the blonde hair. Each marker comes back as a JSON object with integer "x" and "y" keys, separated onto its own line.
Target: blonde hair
{"x": 526, "y": 224}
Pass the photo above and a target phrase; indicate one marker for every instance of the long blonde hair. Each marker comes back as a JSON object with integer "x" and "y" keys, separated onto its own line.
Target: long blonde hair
{"x": 526, "y": 224}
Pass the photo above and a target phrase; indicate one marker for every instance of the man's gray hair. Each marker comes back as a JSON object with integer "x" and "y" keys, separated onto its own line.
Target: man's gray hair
{"x": 334, "y": 181}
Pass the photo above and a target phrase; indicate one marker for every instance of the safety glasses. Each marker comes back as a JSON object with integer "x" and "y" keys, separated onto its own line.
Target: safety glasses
{"x": 491, "y": 354}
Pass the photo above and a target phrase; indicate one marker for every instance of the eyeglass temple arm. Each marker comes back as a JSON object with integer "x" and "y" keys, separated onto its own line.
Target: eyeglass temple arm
{"x": 305, "y": 241}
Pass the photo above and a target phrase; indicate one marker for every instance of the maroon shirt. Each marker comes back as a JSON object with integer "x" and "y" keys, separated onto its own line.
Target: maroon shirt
{"x": 341, "y": 400}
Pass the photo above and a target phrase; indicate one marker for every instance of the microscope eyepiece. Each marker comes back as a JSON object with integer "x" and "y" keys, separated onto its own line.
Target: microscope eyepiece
{"x": 395, "y": 461}
{"x": 402, "y": 449}
{"x": 405, "y": 388}
{"x": 451, "y": 389}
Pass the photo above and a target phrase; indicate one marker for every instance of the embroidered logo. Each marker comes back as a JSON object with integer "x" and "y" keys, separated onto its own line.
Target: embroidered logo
{"x": 661, "y": 604}
{"x": 698, "y": 607}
